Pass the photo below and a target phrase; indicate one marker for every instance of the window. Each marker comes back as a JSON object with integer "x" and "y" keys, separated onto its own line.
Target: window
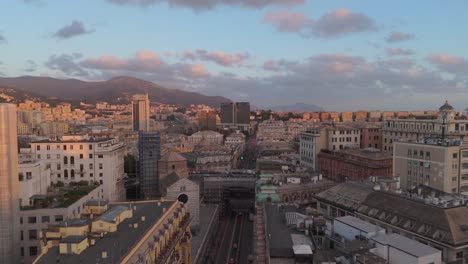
{"x": 21, "y": 220}
{"x": 65, "y": 160}
{"x": 72, "y": 160}
{"x": 58, "y": 147}
{"x": 81, "y": 147}
{"x": 32, "y": 234}
{"x": 81, "y": 156}
{"x": 71, "y": 147}
{"x": 38, "y": 147}
{"x": 91, "y": 175}
{"x": 100, "y": 181}
{"x": 173, "y": 167}
{"x": 90, "y": 156}
{"x": 20, "y": 176}
{"x": 45, "y": 219}
{"x": 64, "y": 147}
{"x": 65, "y": 173}
{"x": 100, "y": 174}
{"x": 21, "y": 235}
{"x": 100, "y": 156}
{"x": 72, "y": 173}
{"x": 28, "y": 175}
{"x": 32, "y": 251}
{"x": 90, "y": 147}
{"x": 100, "y": 166}
{"x": 58, "y": 156}
{"x": 90, "y": 166}
{"x": 38, "y": 156}
{"x": 460, "y": 255}
{"x": 182, "y": 188}
{"x": 22, "y": 251}
{"x": 48, "y": 156}
{"x": 455, "y": 155}
{"x": 59, "y": 175}
{"x": 58, "y": 218}
{"x": 32, "y": 220}
{"x": 81, "y": 167}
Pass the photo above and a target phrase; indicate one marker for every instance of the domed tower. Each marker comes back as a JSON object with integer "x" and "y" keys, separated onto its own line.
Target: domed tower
{"x": 446, "y": 114}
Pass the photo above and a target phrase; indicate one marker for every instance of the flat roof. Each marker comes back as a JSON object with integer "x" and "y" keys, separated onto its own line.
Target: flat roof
{"x": 405, "y": 244}
{"x": 117, "y": 244}
{"x": 358, "y": 224}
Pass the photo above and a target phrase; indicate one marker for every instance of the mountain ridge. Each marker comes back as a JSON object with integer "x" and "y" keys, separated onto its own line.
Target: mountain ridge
{"x": 115, "y": 90}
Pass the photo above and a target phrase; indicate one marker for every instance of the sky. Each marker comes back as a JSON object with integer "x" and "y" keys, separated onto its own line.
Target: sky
{"x": 339, "y": 55}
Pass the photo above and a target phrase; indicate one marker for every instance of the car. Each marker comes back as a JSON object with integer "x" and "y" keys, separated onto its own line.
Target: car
{"x": 232, "y": 261}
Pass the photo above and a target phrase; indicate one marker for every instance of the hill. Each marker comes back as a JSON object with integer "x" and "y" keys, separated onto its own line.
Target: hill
{"x": 115, "y": 90}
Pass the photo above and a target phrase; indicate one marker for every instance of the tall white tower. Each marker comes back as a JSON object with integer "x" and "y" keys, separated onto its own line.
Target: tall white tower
{"x": 9, "y": 197}
{"x": 140, "y": 112}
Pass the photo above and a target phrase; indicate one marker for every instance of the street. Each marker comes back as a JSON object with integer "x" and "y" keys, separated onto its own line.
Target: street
{"x": 250, "y": 155}
{"x": 235, "y": 239}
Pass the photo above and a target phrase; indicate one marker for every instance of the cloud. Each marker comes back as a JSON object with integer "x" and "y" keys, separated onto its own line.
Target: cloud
{"x": 30, "y": 66}
{"x": 397, "y": 36}
{"x": 76, "y": 28}
{"x": 199, "y": 5}
{"x": 287, "y": 21}
{"x": 281, "y": 65}
{"x": 148, "y": 63}
{"x": 334, "y": 24}
{"x": 218, "y": 57}
{"x": 449, "y": 63}
{"x": 66, "y": 63}
{"x": 399, "y": 52}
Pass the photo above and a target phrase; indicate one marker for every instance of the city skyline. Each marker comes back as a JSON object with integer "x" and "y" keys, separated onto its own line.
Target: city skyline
{"x": 355, "y": 54}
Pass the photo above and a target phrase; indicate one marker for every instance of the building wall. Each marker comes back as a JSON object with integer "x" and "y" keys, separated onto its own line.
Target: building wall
{"x": 371, "y": 137}
{"x": 149, "y": 152}
{"x": 96, "y": 161}
{"x": 435, "y": 166}
{"x": 43, "y": 218}
{"x": 351, "y": 233}
{"x": 34, "y": 178}
{"x": 9, "y": 198}
{"x": 192, "y": 190}
{"x": 140, "y": 112}
{"x": 342, "y": 166}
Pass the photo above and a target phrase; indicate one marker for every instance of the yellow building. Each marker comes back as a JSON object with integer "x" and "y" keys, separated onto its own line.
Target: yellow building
{"x": 128, "y": 232}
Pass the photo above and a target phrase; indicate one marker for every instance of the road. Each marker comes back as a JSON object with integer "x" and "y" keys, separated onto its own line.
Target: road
{"x": 250, "y": 155}
{"x": 236, "y": 239}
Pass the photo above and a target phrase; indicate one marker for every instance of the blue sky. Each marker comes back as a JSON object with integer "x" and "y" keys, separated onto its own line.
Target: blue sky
{"x": 336, "y": 54}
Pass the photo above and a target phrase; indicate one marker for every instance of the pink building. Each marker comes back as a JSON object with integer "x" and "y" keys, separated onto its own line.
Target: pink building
{"x": 371, "y": 136}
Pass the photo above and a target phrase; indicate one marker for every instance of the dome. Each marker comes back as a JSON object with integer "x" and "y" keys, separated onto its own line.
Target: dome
{"x": 446, "y": 107}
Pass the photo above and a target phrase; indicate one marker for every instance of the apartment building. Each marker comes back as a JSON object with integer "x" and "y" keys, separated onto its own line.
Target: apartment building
{"x": 60, "y": 204}
{"x": 34, "y": 179}
{"x": 418, "y": 127}
{"x": 77, "y": 158}
{"x": 371, "y": 136}
{"x": 442, "y": 164}
{"x": 131, "y": 232}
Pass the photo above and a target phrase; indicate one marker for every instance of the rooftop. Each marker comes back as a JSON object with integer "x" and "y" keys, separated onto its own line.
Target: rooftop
{"x": 118, "y": 244}
{"x": 358, "y": 224}
{"x": 368, "y": 153}
{"x": 402, "y": 243}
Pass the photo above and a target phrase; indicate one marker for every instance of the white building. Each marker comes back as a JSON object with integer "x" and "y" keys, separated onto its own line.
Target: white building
{"x": 33, "y": 220}
{"x": 81, "y": 158}
{"x": 352, "y": 228}
{"x": 236, "y": 138}
{"x": 207, "y": 136}
{"x": 397, "y": 249}
{"x": 34, "y": 179}
{"x": 141, "y": 112}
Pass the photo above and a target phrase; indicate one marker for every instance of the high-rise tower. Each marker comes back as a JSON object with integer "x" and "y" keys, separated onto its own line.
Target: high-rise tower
{"x": 149, "y": 153}
{"x": 9, "y": 197}
{"x": 140, "y": 112}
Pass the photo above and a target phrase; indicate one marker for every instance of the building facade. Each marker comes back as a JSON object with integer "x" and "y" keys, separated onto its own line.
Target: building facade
{"x": 77, "y": 158}
{"x": 371, "y": 136}
{"x": 149, "y": 153}
{"x": 354, "y": 164}
{"x": 440, "y": 164}
{"x": 140, "y": 112}
{"x": 445, "y": 124}
{"x": 9, "y": 198}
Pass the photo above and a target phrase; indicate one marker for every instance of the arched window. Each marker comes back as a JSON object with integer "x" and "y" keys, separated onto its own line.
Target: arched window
{"x": 72, "y": 160}
{"x": 65, "y": 174}
{"x": 72, "y": 173}
{"x": 65, "y": 160}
